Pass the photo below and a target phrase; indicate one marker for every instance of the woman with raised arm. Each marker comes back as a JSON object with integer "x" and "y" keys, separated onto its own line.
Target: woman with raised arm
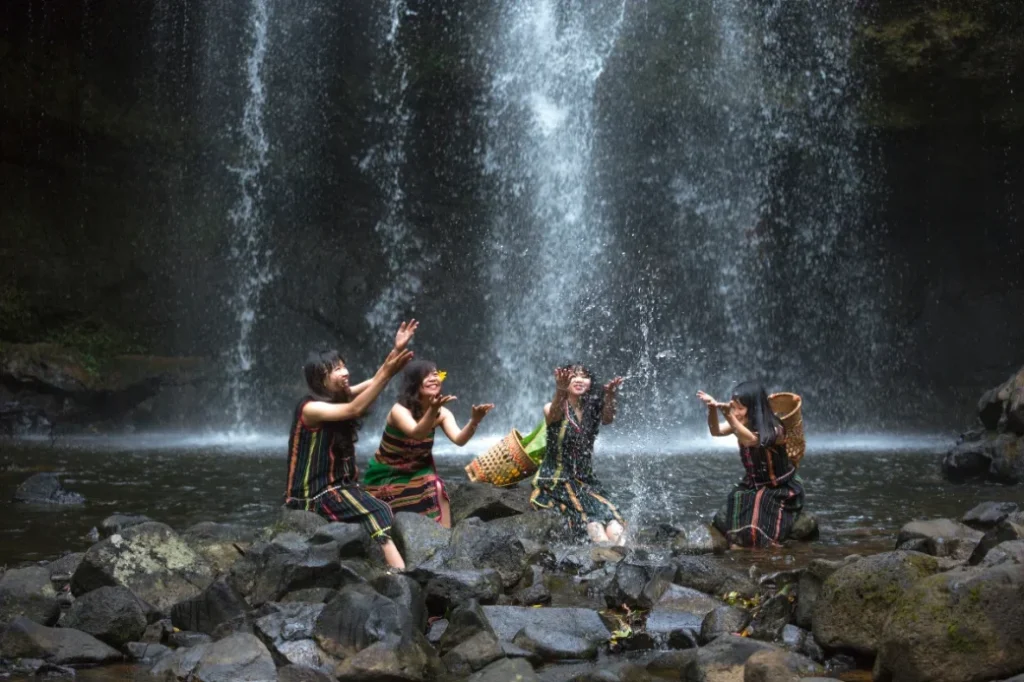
{"x": 565, "y": 480}
{"x": 402, "y": 471}
{"x": 762, "y": 507}
{"x": 322, "y": 472}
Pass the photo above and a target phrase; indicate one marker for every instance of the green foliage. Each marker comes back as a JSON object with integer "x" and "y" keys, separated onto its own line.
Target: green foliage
{"x": 95, "y": 341}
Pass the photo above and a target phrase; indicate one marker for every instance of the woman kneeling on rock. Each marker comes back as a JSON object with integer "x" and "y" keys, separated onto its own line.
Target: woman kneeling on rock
{"x": 322, "y": 473}
{"x": 565, "y": 480}
{"x": 402, "y": 471}
{"x": 764, "y": 505}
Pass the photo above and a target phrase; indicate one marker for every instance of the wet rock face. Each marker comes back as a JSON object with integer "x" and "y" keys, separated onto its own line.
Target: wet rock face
{"x": 26, "y": 639}
{"x": 110, "y": 614}
{"x": 46, "y": 489}
{"x": 28, "y": 592}
{"x": 149, "y": 559}
{"x": 939, "y": 538}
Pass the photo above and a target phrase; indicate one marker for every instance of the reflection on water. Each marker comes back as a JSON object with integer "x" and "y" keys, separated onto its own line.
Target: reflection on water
{"x": 861, "y": 496}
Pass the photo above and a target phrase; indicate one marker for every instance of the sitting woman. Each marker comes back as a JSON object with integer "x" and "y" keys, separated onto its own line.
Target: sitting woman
{"x": 322, "y": 473}
{"x": 565, "y": 480}
{"x": 402, "y": 472}
{"x": 764, "y": 505}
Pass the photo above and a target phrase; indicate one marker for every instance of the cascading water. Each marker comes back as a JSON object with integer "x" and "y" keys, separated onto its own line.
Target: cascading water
{"x": 771, "y": 198}
{"x": 250, "y": 256}
{"x": 547, "y": 237}
{"x": 386, "y": 162}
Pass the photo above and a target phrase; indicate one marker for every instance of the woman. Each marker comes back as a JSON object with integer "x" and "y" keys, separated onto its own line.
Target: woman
{"x": 322, "y": 473}
{"x": 402, "y": 471}
{"x": 565, "y": 480}
{"x": 762, "y": 508}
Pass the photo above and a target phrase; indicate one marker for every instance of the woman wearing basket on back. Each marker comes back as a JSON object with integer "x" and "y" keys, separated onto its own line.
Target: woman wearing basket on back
{"x": 565, "y": 480}
{"x": 762, "y": 508}
{"x": 402, "y": 471}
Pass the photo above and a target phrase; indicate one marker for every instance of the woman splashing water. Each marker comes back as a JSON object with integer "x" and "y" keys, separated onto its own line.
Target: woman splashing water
{"x": 764, "y": 505}
{"x": 402, "y": 472}
{"x": 565, "y": 480}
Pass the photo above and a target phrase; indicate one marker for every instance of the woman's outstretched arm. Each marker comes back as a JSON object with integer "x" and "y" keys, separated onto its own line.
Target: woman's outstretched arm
{"x": 403, "y": 336}
{"x": 451, "y": 427}
{"x": 402, "y": 417}
{"x": 716, "y": 427}
{"x": 554, "y": 412}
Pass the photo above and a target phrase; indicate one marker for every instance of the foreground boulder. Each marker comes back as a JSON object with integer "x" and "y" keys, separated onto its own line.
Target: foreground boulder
{"x": 583, "y": 625}
{"x": 220, "y": 544}
{"x": 486, "y": 502}
{"x": 289, "y": 563}
{"x": 287, "y": 633}
{"x": 24, "y": 638}
{"x": 149, "y": 559}
{"x": 419, "y": 538}
{"x": 233, "y": 659}
{"x": 856, "y": 600}
{"x": 374, "y": 637}
{"x": 722, "y": 660}
{"x": 28, "y": 592}
{"x": 988, "y": 514}
{"x": 45, "y": 489}
{"x": 966, "y": 625}
{"x": 218, "y": 604}
{"x": 939, "y": 538}
{"x": 110, "y": 614}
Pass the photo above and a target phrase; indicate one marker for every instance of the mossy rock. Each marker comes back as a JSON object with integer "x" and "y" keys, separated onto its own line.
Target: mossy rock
{"x": 966, "y": 625}
{"x": 855, "y": 601}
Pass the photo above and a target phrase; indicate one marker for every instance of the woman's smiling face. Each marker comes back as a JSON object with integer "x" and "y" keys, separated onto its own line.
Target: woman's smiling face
{"x": 431, "y": 385}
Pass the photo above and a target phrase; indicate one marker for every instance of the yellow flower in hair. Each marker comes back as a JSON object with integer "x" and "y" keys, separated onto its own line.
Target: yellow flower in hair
{"x": 442, "y": 375}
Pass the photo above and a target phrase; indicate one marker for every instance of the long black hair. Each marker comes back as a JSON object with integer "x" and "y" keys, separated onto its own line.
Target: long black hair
{"x": 318, "y": 367}
{"x": 591, "y": 402}
{"x": 760, "y": 418}
{"x": 412, "y": 379}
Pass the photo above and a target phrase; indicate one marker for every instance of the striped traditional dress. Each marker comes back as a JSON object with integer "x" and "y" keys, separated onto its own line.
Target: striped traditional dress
{"x": 323, "y": 477}
{"x": 565, "y": 480}
{"x": 402, "y": 473}
{"x": 764, "y": 505}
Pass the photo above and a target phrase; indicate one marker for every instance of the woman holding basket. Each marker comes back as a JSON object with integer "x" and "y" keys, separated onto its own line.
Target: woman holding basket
{"x": 763, "y": 506}
{"x": 565, "y": 480}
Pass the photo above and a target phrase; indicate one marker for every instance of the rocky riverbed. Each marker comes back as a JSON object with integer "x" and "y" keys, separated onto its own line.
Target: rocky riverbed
{"x": 506, "y": 595}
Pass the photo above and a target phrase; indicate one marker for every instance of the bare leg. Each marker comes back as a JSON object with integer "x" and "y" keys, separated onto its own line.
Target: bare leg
{"x": 446, "y": 513}
{"x": 596, "y": 532}
{"x": 392, "y": 555}
{"x": 615, "y": 531}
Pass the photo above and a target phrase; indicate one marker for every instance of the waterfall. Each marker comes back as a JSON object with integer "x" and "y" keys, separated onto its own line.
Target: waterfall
{"x": 386, "y": 163}
{"x": 772, "y": 194}
{"x": 250, "y": 256}
{"x": 547, "y": 239}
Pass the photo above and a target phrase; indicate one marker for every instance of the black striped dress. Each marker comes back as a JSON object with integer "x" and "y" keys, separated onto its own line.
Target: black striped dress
{"x": 323, "y": 477}
{"x": 762, "y": 508}
{"x": 565, "y": 480}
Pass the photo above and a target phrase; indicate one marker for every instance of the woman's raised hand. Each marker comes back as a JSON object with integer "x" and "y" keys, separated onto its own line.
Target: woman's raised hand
{"x": 613, "y": 385}
{"x": 707, "y": 400}
{"x": 480, "y": 411}
{"x": 437, "y": 401}
{"x": 563, "y": 375}
{"x": 396, "y": 360}
{"x": 405, "y": 332}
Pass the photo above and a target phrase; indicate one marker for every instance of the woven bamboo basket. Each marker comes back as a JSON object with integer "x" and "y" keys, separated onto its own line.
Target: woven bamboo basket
{"x": 504, "y": 464}
{"x": 787, "y": 406}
